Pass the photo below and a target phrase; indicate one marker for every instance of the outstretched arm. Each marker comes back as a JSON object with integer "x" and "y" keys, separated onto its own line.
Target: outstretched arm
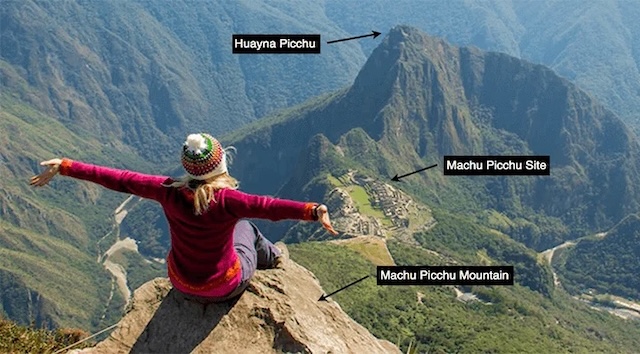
{"x": 143, "y": 185}
{"x": 243, "y": 205}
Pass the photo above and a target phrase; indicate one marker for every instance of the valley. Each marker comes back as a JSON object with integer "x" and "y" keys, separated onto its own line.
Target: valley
{"x": 118, "y": 273}
{"x": 122, "y": 252}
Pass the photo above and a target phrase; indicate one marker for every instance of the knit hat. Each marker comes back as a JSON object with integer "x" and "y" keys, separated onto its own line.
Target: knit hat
{"x": 203, "y": 156}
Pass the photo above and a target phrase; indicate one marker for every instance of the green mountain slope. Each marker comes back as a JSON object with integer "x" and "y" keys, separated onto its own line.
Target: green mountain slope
{"x": 517, "y": 320}
{"x": 48, "y": 236}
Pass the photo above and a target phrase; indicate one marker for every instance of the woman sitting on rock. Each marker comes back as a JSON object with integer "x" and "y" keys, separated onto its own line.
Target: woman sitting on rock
{"x": 214, "y": 253}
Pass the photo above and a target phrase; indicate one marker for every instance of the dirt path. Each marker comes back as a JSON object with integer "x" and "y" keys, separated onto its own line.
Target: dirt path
{"x": 548, "y": 254}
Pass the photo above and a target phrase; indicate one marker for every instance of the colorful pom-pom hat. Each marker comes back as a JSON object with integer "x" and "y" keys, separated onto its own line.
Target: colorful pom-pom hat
{"x": 203, "y": 156}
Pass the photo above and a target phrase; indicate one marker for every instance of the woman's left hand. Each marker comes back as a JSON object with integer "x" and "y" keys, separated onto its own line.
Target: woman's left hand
{"x": 53, "y": 166}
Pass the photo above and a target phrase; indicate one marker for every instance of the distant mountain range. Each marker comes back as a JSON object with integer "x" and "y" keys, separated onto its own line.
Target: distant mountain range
{"x": 593, "y": 44}
{"x": 145, "y": 73}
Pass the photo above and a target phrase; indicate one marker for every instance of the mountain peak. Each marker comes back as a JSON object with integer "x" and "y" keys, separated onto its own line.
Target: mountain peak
{"x": 403, "y": 33}
{"x": 279, "y": 312}
{"x": 415, "y": 85}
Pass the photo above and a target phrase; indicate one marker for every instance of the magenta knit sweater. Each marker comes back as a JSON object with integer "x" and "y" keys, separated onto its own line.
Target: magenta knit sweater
{"x": 202, "y": 260}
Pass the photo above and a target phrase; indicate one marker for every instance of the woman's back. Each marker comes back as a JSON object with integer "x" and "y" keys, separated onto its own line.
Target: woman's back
{"x": 202, "y": 245}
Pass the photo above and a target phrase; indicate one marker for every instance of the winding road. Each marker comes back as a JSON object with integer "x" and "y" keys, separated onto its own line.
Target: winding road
{"x": 548, "y": 255}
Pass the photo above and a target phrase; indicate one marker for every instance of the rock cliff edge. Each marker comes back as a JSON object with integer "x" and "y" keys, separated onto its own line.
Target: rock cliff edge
{"x": 278, "y": 313}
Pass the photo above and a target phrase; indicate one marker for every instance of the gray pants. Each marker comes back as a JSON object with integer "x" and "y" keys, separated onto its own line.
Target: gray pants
{"x": 254, "y": 251}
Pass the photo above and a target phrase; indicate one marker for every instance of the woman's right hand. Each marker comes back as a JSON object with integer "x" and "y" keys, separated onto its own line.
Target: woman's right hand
{"x": 323, "y": 217}
{"x": 53, "y": 167}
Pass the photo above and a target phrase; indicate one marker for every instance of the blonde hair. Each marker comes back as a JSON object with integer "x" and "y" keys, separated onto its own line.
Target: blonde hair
{"x": 204, "y": 191}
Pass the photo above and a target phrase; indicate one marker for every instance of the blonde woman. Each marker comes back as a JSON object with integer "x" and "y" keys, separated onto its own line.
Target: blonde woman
{"x": 214, "y": 252}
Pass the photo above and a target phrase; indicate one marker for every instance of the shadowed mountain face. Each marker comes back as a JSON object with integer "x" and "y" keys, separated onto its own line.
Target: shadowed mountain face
{"x": 418, "y": 98}
{"x": 146, "y": 73}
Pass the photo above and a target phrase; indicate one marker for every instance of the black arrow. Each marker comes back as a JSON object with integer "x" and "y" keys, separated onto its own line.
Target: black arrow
{"x": 324, "y": 297}
{"x": 396, "y": 178}
{"x": 373, "y": 33}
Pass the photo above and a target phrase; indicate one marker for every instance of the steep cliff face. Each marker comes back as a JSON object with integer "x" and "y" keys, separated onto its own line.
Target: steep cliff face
{"x": 279, "y": 312}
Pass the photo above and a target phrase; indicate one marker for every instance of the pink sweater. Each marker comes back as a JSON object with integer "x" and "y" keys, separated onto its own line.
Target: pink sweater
{"x": 202, "y": 260}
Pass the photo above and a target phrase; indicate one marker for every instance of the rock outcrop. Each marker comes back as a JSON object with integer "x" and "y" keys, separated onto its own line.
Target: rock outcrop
{"x": 278, "y": 313}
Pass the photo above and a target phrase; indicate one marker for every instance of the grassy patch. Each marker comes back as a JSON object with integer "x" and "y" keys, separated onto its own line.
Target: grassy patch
{"x": 519, "y": 321}
{"x": 373, "y": 249}
{"x": 334, "y": 181}
{"x": 361, "y": 199}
